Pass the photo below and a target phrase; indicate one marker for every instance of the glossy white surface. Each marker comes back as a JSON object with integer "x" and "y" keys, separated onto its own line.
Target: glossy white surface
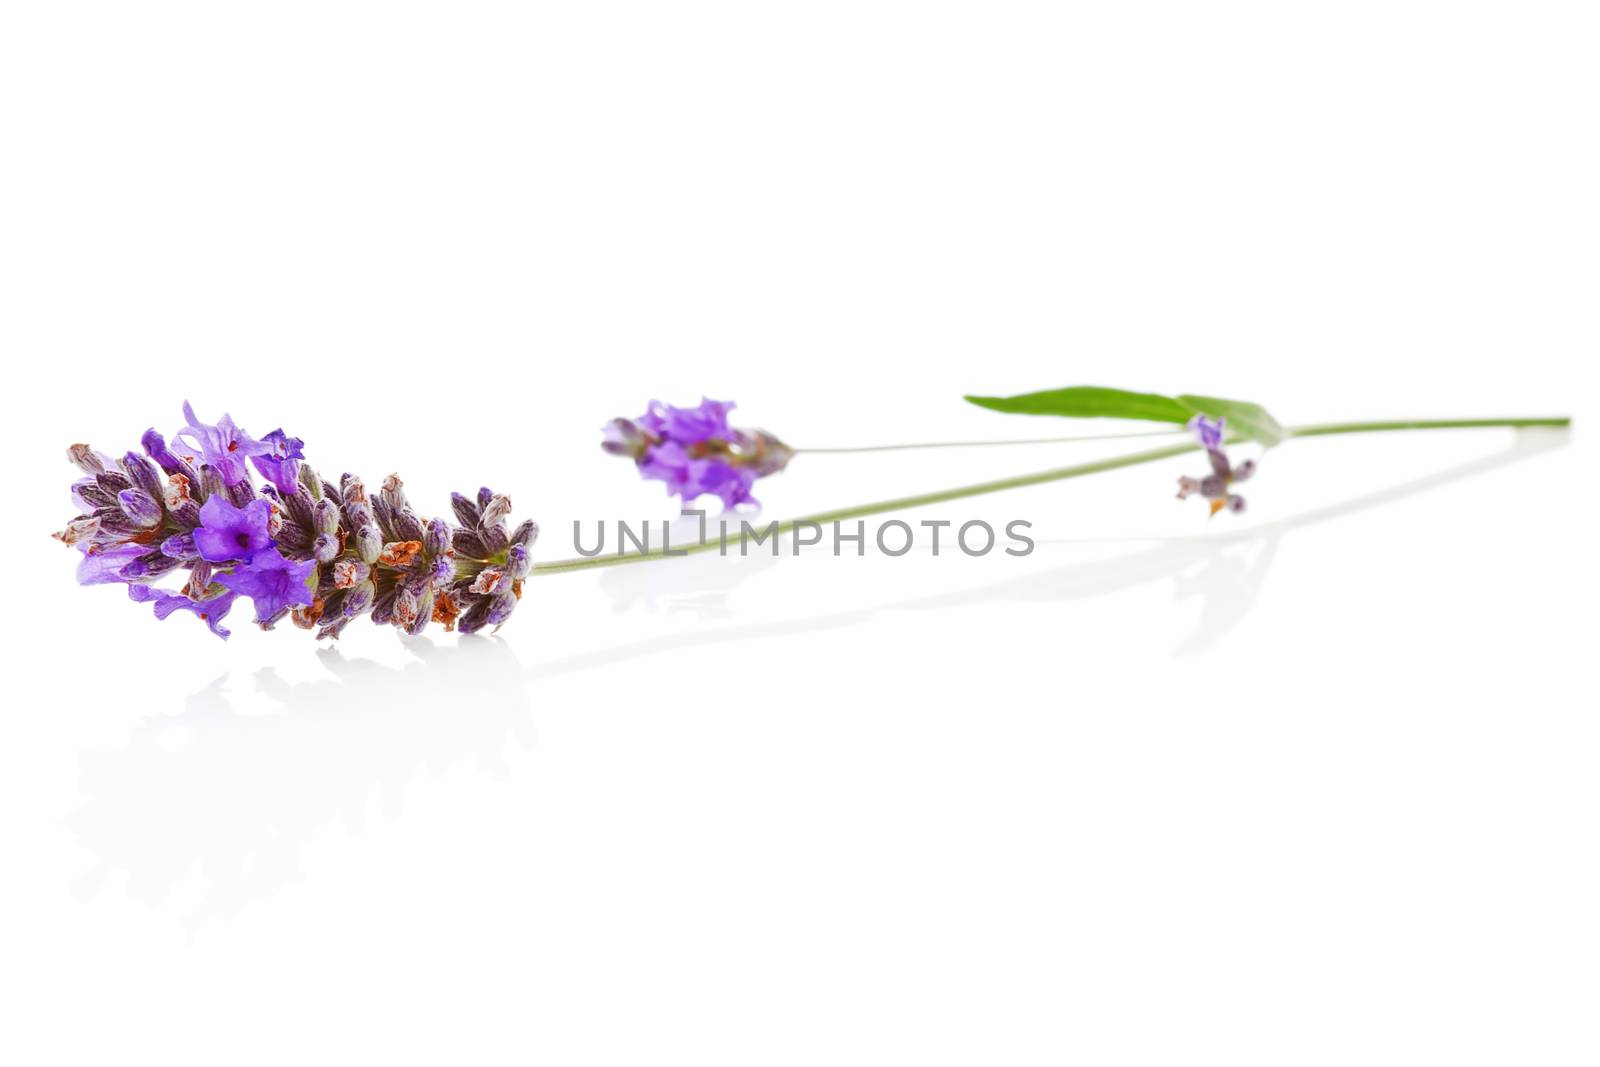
{"x": 1315, "y": 784}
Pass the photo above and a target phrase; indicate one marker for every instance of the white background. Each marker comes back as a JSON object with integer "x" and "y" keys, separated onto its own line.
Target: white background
{"x": 1316, "y": 784}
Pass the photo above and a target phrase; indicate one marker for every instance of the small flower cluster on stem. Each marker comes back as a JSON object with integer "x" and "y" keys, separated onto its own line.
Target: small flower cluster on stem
{"x": 695, "y": 452}
{"x": 1216, "y": 486}
{"x": 297, "y": 547}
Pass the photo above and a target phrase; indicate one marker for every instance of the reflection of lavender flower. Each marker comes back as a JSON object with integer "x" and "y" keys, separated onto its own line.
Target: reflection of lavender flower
{"x": 299, "y": 546}
{"x": 1214, "y": 486}
{"x": 695, "y": 452}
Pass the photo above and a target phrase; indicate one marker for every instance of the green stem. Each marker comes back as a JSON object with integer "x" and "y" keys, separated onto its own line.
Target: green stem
{"x": 990, "y": 444}
{"x": 1324, "y": 429}
{"x": 1077, "y": 470}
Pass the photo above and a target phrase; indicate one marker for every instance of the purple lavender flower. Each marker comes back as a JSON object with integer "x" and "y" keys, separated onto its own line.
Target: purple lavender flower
{"x": 690, "y": 478}
{"x": 230, "y": 532}
{"x": 155, "y": 446}
{"x": 224, "y": 446}
{"x": 210, "y": 611}
{"x": 280, "y": 464}
{"x": 1209, "y": 431}
{"x": 688, "y": 426}
{"x": 301, "y": 546}
{"x": 273, "y": 583}
{"x": 695, "y": 452}
{"x": 101, "y": 565}
{"x": 1215, "y": 486}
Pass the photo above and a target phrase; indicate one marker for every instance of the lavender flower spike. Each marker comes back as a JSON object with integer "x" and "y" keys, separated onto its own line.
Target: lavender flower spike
{"x": 1214, "y": 486}
{"x": 695, "y": 452}
{"x": 299, "y": 547}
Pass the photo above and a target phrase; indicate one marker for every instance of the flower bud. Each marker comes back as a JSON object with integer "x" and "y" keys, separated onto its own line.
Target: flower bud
{"x": 324, "y": 548}
{"x": 369, "y": 544}
{"x": 467, "y": 511}
{"x": 148, "y": 567}
{"x": 199, "y": 580}
{"x": 155, "y": 446}
{"x": 495, "y": 512}
{"x": 469, "y": 544}
{"x": 525, "y": 534}
{"x": 325, "y": 517}
{"x": 88, "y": 495}
{"x": 765, "y": 453}
{"x": 436, "y": 539}
{"x": 113, "y": 482}
{"x": 87, "y": 459}
{"x": 180, "y": 546}
{"x": 501, "y": 607}
{"x": 405, "y": 608}
{"x": 391, "y": 493}
{"x": 210, "y": 482}
{"x": 359, "y": 598}
{"x": 623, "y": 437}
{"x": 310, "y": 482}
{"x": 424, "y": 613}
{"x": 140, "y": 507}
{"x": 518, "y": 563}
{"x": 496, "y": 538}
{"x": 351, "y": 489}
{"x": 406, "y": 525}
{"x": 333, "y": 629}
{"x": 472, "y": 620}
{"x": 186, "y": 514}
{"x": 144, "y": 475}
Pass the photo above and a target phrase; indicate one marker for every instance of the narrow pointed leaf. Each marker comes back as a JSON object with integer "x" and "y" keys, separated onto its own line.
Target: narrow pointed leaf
{"x": 1245, "y": 420}
{"x": 1090, "y": 402}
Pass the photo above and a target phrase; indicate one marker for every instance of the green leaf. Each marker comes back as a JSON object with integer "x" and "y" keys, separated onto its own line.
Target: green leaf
{"x": 1090, "y": 402}
{"x": 1245, "y": 420}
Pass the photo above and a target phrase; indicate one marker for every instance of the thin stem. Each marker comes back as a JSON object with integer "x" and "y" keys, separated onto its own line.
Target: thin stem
{"x": 1324, "y": 429}
{"x": 1058, "y": 474}
{"x": 990, "y": 444}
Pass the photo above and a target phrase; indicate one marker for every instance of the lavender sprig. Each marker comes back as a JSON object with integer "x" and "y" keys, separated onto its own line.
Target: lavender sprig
{"x": 695, "y": 452}
{"x": 297, "y": 547}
